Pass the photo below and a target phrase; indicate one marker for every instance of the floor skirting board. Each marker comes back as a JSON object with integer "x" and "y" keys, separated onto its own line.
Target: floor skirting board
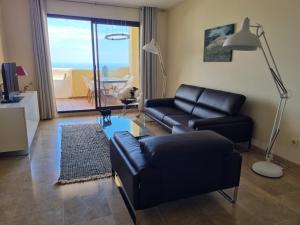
{"x": 285, "y": 163}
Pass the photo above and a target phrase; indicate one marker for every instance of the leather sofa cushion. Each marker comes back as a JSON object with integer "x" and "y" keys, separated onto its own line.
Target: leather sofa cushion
{"x": 161, "y": 112}
{"x": 161, "y": 150}
{"x": 184, "y": 105}
{"x": 226, "y": 102}
{"x": 186, "y": 97}
{"x": 174, "y": 120}
{"x": 188, "y": 92}
{"x": 204, "y": 112}
{"x": 131, "y": 148}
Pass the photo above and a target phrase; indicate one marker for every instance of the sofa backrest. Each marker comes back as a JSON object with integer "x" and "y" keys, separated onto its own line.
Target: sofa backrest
{"x": 215, "y": 103}
{"x": 186, "y": 97}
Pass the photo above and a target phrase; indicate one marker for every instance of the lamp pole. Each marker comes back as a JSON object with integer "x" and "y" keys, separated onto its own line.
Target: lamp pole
{"x": 154, "y": 48}
{"x": 283, "y": 93}
{"x": 163, "y": 69}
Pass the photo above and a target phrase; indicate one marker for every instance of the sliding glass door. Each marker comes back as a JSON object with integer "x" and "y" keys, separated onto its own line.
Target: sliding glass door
{"x": 72, "y": 63}
{"x": 116, "y": 58}
{"x": 93, "y": 61}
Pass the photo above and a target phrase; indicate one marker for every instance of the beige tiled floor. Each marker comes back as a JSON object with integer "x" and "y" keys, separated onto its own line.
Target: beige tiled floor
{"x": 29, "y": 196}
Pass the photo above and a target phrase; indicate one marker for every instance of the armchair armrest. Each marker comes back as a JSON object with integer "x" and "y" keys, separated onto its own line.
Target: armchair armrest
{"x": 232, "y": 170}
{"x": 130, "y": 148}
{"x": 159, "y": 102}
{"x": 202, "y": 123}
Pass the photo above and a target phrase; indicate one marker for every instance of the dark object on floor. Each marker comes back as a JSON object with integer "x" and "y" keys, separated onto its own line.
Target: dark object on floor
{"x": 105, "y": 113}
{"x": 84, "y": 154}
{"x": 158, "y": 169}
{"x": 203, "y": 109}
{"x": 132, "y": 92}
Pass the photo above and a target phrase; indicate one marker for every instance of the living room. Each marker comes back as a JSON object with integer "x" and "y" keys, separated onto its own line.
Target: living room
{"x": 235, "y": 95}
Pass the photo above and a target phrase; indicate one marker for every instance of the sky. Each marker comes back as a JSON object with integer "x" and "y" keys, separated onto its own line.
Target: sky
{"x": 71, "y": 43}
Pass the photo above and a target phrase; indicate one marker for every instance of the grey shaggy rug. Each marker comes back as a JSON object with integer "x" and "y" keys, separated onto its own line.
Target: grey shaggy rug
{"x": 84, "y": 154}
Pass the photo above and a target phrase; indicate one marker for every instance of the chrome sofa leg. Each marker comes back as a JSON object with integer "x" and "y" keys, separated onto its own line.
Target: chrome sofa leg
{"x": 232, "y": 198}
{"x": 132, "y": 212}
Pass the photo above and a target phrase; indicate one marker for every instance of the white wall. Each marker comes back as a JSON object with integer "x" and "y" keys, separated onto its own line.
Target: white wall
{"x": 247, "y": 74}
{"x": 2, "y": 46}
{"x": 18, "y": 37}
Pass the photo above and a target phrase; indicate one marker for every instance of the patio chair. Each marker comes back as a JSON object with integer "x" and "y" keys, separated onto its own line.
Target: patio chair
{"x": 90, "y": 87}
{"x": 118, "y": 88}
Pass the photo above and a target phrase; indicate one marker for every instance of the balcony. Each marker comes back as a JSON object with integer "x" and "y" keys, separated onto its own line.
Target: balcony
{"x": 74, "y": 88}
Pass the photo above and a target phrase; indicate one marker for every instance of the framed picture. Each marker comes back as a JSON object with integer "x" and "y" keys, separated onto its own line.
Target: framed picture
{"x": 213, "y": 44}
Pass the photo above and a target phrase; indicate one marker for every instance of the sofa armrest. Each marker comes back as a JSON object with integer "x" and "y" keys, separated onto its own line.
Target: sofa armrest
{"x": 191, "y": 148}
{"x": 200, "y": 123}
{"x": 159, "y": 102}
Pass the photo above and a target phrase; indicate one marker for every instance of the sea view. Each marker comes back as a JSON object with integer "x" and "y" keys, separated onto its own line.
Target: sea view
{"x": 86, "y": 66}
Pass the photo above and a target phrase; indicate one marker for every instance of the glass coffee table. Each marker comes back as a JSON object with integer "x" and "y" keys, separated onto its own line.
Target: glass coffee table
{"x": 122, "y": 123}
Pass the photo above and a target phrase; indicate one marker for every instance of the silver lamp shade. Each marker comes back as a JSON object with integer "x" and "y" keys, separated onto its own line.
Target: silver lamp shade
{"x": 244, "y": 40}
{"x": 151, "y": 47}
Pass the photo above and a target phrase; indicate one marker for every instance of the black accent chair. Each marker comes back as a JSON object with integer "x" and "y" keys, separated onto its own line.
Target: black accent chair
{"x": 158, "y": 169}
{"x": 203, "y": 109}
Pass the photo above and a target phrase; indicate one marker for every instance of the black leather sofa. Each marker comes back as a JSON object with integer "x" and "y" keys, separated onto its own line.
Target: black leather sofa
{"x": 158, "y": 169}
{"x": 203, "y": 109}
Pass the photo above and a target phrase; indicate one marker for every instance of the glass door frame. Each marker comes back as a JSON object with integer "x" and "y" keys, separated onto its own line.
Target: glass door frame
{"x": 94, "y": 22}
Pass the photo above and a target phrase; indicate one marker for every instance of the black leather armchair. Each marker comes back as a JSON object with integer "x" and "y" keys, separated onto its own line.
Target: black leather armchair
{"x": 203, "y": 109}
{"x": 165, "y": 168}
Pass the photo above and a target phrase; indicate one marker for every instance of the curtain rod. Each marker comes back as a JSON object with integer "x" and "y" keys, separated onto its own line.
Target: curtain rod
{"x": 98, "y": 3}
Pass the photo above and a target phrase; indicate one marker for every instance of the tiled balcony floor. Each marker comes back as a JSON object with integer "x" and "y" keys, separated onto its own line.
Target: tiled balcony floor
{"x": 75, "y": 104}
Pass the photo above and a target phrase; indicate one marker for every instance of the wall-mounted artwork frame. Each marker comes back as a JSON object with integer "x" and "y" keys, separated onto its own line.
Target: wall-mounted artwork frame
{"x": 213, "y": 44}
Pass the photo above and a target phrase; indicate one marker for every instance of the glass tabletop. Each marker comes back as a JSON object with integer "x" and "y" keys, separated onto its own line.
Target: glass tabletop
{"x": 122, "y": 123}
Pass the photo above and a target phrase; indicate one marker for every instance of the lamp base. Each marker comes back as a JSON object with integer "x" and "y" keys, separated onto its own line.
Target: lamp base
{"x": 267, "y": 169}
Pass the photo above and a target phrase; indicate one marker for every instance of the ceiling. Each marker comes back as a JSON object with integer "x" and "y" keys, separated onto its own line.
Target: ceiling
{"x": 163, "y": 4}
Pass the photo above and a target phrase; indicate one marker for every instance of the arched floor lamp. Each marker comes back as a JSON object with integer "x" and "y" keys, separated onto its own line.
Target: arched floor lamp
{"x": 154, "y": 48}
{"x": 247, "y": 41}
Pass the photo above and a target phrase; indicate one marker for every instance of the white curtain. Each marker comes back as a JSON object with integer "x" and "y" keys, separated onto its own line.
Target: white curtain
{"x": 38, "y": 12}
{"x": 148, "y": 62}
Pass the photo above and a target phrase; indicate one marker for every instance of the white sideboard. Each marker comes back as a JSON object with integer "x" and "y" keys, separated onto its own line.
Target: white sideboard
{"x": 18, "y": 123}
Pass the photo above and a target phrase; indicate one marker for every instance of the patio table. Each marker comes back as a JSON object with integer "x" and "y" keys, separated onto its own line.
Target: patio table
{"x": 110, "y": 80}
{"x": 106, "y": 81}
